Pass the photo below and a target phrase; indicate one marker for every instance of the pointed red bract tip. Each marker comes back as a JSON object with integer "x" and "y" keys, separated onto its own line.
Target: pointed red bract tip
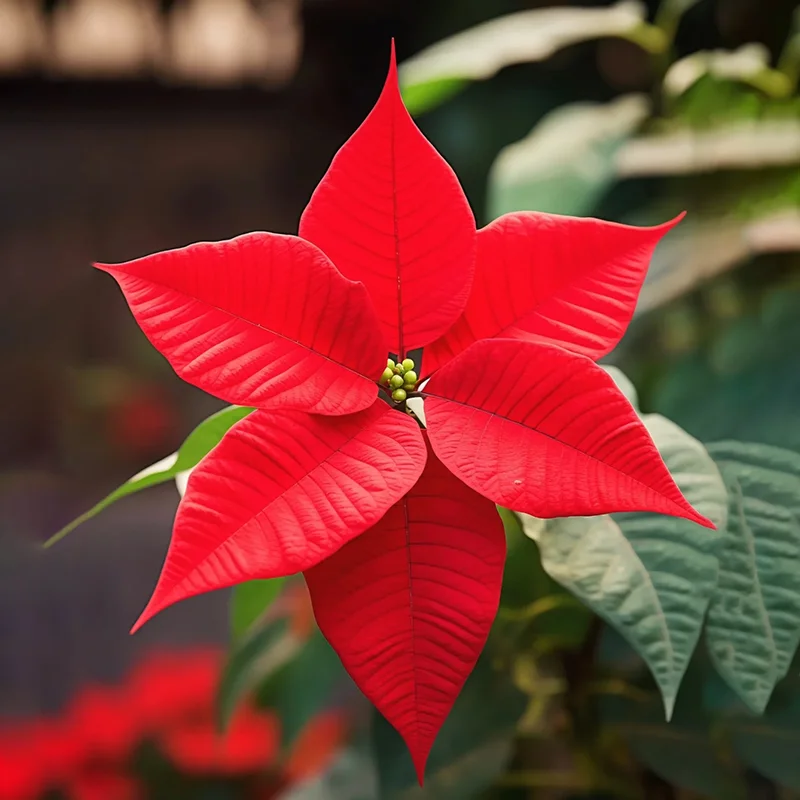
{"x": 420, "y": 760}
{"x": 669, "y": 224}
{"x": 146, "y": 615}
{"x": 700, "y": 520}
{"x": 392, "y": 81}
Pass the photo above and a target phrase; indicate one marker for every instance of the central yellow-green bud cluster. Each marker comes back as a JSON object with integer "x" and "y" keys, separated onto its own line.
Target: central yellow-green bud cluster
{"x": 399, "y": 378}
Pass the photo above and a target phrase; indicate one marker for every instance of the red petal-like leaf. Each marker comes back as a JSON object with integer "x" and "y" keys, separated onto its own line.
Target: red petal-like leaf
{"x": 282, "y": 491}
{"x": 543, "y": 277}
{"x": 262, "y": 320}
{"x": 391, "y": 213}
{"x": 547, "y": 432}
{"x": 408, "y": 604}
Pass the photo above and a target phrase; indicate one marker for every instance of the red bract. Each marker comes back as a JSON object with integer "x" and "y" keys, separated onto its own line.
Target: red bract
{"x": 401, "y": 545}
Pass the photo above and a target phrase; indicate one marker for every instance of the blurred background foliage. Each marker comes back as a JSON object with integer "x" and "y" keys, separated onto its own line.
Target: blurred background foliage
{"x": 117, "y": 140}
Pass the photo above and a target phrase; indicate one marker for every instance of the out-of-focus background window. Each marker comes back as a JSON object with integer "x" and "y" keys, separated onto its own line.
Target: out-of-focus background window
{"x": 130, "y": 126}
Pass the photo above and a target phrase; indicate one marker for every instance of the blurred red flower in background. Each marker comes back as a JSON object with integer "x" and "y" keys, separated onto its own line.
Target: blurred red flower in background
{"x": 251, "y": 742}
{"x": 168, "y": 699}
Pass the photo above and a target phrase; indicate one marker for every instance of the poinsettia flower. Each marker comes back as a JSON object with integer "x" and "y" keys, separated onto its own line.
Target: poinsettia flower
{"x": 396, "y": 531}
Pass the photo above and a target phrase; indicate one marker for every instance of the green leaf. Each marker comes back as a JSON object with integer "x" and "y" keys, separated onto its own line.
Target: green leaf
{"x": 591, "y": 557}
{"x": 753, "y": 627}
{"x": 303, "y": 686}
{"x": 742, "y": 144}
{"x": 770, "y": 744}
{"x": 482, "y": 51}
{"x": 649, "y": 576}
{"x": 681, "y": 752}
{"x": 352, "y": 776}
{"x": 199, "y": 442}
{"x": 420, "y": 97}
{"x": 567, "y": 162}
{"x": 679, "y": 556}
{"x": 252, "y": 659}
{"x": 624, "y": 384}
{"x": 471, "y": 750}
{"x": 771, "y": 750}
{"x": 748, "y": 65}
{"x": 249, "y": 601}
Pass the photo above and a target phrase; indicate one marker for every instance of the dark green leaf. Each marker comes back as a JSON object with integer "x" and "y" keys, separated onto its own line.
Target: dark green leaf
{"x": 681, "y": 752}
{"x": 649, "y": 576}
{"x": 303, "y": 686}
{"x": 753, "y": 624}
{"x": 471, "y": 751}
{"x": 261, "y": 653}
{"x": 200, "y": 441}
{"x": 770, "y": 743}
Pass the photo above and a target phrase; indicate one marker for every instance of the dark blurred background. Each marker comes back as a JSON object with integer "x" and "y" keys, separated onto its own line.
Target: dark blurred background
{"x": 130, "y": 126}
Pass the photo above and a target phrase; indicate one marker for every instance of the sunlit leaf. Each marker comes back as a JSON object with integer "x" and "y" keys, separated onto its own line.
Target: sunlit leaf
{"x": 200, "y": 441}
{"x": 566, "y": 163}
{"x": 748, "y": 144}
{"x": 419, "y": 97}
{"x": 535, "y": 35}
{"x": 700, "y": 249}
{"x": 748, "y": 64}
{"x": 753, "y": 627}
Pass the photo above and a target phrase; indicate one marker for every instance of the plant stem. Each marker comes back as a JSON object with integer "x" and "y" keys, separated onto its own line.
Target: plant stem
{"x": 542, "y": 605}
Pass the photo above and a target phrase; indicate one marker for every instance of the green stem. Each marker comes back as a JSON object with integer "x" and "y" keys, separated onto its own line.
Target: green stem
{"x": 619, "y": 688}
{"x": 546, "y": 779}
{"x": 789, "y": 60}
{"x": 543, "y": 605}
